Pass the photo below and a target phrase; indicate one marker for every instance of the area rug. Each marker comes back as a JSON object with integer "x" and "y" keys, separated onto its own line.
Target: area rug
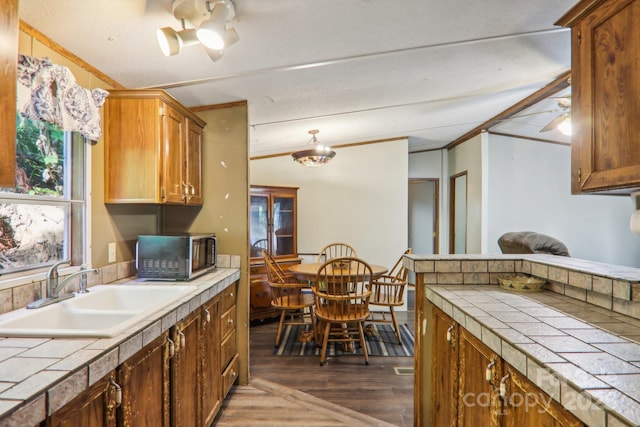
{"x": 382, "y": 343}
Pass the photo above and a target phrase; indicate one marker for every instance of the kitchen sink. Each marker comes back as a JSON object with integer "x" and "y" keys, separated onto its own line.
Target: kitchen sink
{"x": 106, "y": 311}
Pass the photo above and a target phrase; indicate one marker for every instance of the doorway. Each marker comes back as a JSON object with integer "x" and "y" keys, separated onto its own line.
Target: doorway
{"x": 458, "y": 213}
{"x": 423, "y": 218}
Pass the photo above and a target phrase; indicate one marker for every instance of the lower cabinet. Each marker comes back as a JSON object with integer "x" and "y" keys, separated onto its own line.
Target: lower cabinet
{"x": 177, "y": 380}
{"x": 144, "y": 379}
{"x": 185, "y": 372}
{"x": 95, "y": 407}
{"x": 472, "y": 386}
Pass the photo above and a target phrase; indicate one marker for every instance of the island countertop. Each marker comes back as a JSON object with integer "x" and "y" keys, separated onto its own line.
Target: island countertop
{"x": 577, "y": 340}
{"x": 38, "y": 375}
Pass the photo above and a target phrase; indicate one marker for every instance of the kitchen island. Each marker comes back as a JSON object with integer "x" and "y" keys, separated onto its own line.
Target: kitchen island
{"x": 41, "y": 377}
{"x": 567, "y": 354}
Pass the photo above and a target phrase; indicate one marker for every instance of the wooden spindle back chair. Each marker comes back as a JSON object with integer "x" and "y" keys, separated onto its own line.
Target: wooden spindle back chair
{"x": 342, "y": 292}
{"x": 387, "y": 292}
{"x": 288, "y": 296}
{"x": 336, "y": 250}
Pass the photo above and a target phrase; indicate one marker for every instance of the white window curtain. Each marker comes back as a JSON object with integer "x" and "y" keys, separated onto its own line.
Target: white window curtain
{"x": 49, "y": 92}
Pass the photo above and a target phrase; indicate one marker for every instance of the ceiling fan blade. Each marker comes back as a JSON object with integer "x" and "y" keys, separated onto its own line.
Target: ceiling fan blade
{"x": 555, "y": 122}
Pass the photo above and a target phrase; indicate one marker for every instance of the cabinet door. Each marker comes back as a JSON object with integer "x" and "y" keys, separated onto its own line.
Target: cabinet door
{"x": 444, "y": 393}
{"x": 8, "y": 56}
{"x": 211, "y": 381}
{"x": 145, "y": 386}
{"x": 606, "y": 88}
{"x": 524, "y": 404}
{"x": 283, "y": 236}
{"x": 259, "y": 225}
{"x": 194, "y": 163}
{"x": 478, "y": 399}
{"x": 96, "y": 407}
{"x": 185, "y": 372}
{"x": 174, "y": 162}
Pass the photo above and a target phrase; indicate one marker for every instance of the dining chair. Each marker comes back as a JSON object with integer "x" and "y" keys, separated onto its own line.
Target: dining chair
{"x": 289, "y": 296}
{"x": 342, "y": 303}
{"x": 336, "y": 250}
{"x": 387, "y": 292}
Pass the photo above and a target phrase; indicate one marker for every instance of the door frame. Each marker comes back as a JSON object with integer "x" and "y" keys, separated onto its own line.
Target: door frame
{"x": 436, "y": 209}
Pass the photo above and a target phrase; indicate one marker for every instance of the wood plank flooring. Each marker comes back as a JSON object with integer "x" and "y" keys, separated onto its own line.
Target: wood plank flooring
{"x": 296, "y": 390}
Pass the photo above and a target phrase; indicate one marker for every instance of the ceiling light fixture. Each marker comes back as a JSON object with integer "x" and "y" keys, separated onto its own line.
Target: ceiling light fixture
{"x": 209, "y": 21}
{"x": 315, "y": 157}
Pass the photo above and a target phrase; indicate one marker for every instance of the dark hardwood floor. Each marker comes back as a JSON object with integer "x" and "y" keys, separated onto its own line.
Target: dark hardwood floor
{"x": 375, "y": 390}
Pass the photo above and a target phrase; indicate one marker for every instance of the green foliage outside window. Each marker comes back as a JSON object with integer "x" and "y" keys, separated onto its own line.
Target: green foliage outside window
{"x": 39, "y": 158}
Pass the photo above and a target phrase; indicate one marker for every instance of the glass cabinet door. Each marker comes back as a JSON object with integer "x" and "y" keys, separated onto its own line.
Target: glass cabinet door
{"x": 259, "y": 224}
{"x": 283, "y": 223}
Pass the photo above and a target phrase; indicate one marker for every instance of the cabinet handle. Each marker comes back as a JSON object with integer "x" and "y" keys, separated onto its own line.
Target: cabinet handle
{"x": 488, "y": 373}
{"x": 207, "y": 316}
{"x": 193, "y": 189}
{"x": 230, "y": 321}
{"x": 183, "y": 339}
{"x": 503, "y": 386}
{"x": 185, "y": 191}
{"x": 450, "y": 334}
{"x": 172, "y": 348}
{"x": 118, "y": 396}
{"x": 230, "y": 294}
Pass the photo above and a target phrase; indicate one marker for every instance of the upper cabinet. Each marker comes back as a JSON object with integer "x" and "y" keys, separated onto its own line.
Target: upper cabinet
{"x": 605, "y": 80}
{"x": 153, "y": 148}
{"x": 273, "y": 221}
{"x": 8, "y": 64}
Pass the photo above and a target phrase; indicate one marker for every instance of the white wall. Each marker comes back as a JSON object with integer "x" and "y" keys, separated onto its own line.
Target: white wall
{"x": 468, "y": 157}
{"x": 529, "y": 190}
{"x": 360, "y": 197}
{"x": 433, "y": 164}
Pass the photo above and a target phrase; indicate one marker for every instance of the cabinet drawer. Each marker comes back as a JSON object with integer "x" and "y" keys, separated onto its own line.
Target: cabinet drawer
{"x": 228, "y": 321}
{"x": 227, "y": 349}
{"x": 229, "y": 376}
{"x": 228, "y": 297}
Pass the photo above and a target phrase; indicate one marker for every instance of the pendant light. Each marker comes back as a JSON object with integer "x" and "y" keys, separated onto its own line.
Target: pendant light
{"x": 314, "y": 157}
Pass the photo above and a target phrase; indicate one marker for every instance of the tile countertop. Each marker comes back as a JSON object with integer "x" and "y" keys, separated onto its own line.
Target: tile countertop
{"x": 42, "y": 374}
{"x": 571, "y": 349}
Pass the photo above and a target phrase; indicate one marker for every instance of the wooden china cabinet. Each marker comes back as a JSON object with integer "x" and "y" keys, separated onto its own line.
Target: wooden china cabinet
{"x": 273, "y": 227}
{"x": 8, "y": 58}
{"x": 605, "y": 85}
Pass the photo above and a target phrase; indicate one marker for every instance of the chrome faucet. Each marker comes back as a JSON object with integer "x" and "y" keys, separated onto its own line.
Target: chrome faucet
{"x": 53, "y": 287}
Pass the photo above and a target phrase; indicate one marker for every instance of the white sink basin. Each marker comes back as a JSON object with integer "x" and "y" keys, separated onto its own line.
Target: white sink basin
{"x": 106, "y": 311}
{"x": 128, "y": 298}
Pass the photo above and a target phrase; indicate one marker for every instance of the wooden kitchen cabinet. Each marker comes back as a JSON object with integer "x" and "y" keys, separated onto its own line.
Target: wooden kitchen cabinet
{"x": 605, "y": 85}
{"x": 153, "y": 149}
{"x": 444, "y": 375}
{"x": 228, "y": 349}
{"x": 273, "y": 227}
{"x": 479, "y": 371}
{"x": 524, "y": 404}
{"x": 144, "y": 379}
{"x": 185, "y": 372}
{"x": 96, "y": 407}
{"x": 465, "y": 384}
{"x": 8, "y": 82}
{"x": 210, "y": 367}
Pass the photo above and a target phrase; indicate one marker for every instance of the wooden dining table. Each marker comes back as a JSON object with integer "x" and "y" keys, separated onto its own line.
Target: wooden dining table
{"x": 308, "y": 273}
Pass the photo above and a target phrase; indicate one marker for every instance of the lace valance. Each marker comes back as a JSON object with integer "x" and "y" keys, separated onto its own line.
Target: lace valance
{"x": 49, "y": 92}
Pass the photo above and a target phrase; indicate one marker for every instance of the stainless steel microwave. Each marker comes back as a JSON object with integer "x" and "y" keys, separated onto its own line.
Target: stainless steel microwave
{"x": 175, "y": 257}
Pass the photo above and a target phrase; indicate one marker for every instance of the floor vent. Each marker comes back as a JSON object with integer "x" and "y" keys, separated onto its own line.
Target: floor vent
{"x": 403, "y": 371}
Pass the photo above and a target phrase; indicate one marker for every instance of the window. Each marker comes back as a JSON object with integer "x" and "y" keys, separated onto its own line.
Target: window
{"x": 42, "y": 217}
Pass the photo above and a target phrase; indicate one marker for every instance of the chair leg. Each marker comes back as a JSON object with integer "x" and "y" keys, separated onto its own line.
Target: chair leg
{"x": 325, "y": 341}
{"x": 313, "y": 325}
{"x": 280, "y": 327}
{"x": 363, "y": 344}
{"x": 395, "y": 325}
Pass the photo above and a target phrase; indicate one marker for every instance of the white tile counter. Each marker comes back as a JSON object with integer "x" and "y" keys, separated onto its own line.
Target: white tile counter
{"x": 42, "y": 374}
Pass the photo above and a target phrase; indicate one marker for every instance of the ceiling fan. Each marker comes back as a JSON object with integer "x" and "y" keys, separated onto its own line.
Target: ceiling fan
{"x": 563, "y": 121}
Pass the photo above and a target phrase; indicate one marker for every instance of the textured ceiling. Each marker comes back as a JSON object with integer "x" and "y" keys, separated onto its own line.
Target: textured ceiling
{"x": 356, "y": 70}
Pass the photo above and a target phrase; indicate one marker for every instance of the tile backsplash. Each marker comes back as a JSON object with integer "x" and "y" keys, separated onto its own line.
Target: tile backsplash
{"x": 14, "y": 298}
